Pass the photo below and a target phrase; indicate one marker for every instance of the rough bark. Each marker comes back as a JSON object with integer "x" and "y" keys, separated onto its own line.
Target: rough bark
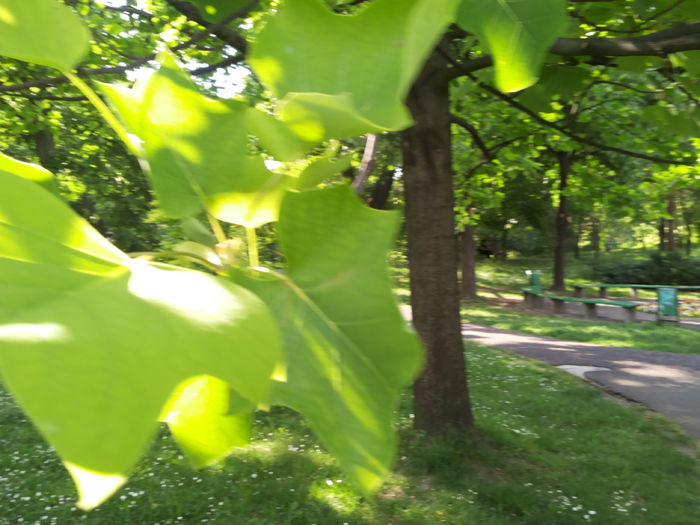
{"x": 561, "y": 231}
{"x": 441, "y": 398}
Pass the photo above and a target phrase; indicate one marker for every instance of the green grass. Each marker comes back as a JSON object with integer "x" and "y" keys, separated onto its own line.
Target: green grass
{"x": 646, "y": 336}
{"x": 549, "y": 449}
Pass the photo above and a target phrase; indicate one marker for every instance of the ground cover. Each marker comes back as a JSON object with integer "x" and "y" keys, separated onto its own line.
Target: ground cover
{"x": 549, "y": 449}
{"x": 500, "y": 306}
{"x": 646, "y": 336}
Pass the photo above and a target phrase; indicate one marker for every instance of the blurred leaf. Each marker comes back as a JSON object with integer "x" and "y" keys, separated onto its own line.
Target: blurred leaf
{"x": 217, "y": 10}
{"x": 44, "y": 32}
{"x": 109, "y": 339}
{"x": 518, "y": 33}
{"x": 349, "y": 351}
{"x": 327, "y": 70}
{"x": 41, "y": 176}
{"x": 197, "y": 150}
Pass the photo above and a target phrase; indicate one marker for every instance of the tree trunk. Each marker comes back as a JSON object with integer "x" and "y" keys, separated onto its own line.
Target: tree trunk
{"x": 662, "y": 235}
{"x": 381, "y": 191}
{"x": 561, "y": 231}
{"x": 441, "y": 398}
{"x": 44, "y": 142}
{"x": 468, "y": 263}
{"x": 595, "y": 238}
{"x": 577, "y": 239}
{"x": 671, "y": 232}
{"x": 358, "y": 184}
{"x": 502, "y": 254}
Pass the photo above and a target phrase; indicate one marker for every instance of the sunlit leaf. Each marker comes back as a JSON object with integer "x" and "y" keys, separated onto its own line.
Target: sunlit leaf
{"x": 43, "y": 32}
{"x": 517, "y": 33}
{"x": 197, "y": 150}
{"x": 322, "y": 169}
{"x": 327, "y": 70}
{"x": 32, "y": 172}
{"x": 109, "y": 340}
{"x": 349, "y": 352}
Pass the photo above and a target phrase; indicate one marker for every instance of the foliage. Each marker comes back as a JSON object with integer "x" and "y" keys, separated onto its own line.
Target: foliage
{"x": 661, "y": 268}
{"x": 550, "y": 450}
{"x": 345, "y": 351}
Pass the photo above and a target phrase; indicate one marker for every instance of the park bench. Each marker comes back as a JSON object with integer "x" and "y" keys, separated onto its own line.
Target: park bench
{"x": 534, "y": 295}
{"x": 533, "y": 298}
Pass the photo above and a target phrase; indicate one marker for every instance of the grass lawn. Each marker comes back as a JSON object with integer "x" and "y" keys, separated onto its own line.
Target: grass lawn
{"x": 646, "y": 336}
{"x": 549, "y": 449}
{"x": 501, "y": 281}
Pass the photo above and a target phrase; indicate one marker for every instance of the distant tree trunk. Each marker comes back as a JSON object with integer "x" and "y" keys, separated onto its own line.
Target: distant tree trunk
{"x": 671, "y": 223}
{"x": 595, "y": 238}
{"x": 502, "y": 253}
{"x": 43, "y": 139}
{"x": 441, "y": 398}
{"x": 367, "y": 163}
{"x": 577, "y": 239}
{"x": 468, "y": 263}
{"x": 381, "y": 191}
{"x": 662, "y": 235}
{"x": 561, "y": 229}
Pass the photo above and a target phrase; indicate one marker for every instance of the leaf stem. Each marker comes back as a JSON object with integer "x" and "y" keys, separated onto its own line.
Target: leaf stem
{"x": 216, "y": 226}
{"x": 253, "y": 257}
{"x": 104, "y": 111}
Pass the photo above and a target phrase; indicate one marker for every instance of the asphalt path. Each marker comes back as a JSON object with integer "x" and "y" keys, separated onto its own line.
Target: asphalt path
{"x": 667, "y": 383}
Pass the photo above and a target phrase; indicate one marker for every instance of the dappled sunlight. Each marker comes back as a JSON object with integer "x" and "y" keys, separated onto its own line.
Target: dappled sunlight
{"x": 34, "y": 333}
{"x": 191, "y": 295}
{"x": 93, "y": 487}
{"x": 6, "y": 16}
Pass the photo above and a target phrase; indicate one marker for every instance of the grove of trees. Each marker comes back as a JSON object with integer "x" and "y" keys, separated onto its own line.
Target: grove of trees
{"x": 551, "y": 115}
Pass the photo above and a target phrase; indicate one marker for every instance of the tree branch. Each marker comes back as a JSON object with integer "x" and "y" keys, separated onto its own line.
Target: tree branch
{"x": 581, "y": 140}
{"x": 455, "y": 119}
{"x": 683, "y": 37}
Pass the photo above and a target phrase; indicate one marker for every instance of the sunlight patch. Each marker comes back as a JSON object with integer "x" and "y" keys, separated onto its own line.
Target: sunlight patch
{"x": 93, "y": 487}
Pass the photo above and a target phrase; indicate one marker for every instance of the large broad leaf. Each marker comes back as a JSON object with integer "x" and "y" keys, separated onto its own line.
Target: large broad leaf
{"x": 349, "y": 352}
{"x": 43, "y": 32}
{"x": 517, "y": 32}
{"x": 340, "y": 75}
{"x": 32, "y": 172}
{"x": 93, "y": 344}
{"x": 197, "y": 150}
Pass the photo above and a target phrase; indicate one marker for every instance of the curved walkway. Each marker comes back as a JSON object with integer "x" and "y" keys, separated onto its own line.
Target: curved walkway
{"x": 667, "y": 383}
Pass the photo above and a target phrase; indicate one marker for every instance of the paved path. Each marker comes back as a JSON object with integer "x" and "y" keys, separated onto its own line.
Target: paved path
{"x": 665, "y": 382}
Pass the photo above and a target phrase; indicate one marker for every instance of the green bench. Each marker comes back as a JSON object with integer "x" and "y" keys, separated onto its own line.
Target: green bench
{"x": 533, "y": 296}
{"x": 666, "y": 296}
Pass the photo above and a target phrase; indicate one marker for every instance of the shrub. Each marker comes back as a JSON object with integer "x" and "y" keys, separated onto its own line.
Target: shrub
{"x": 661, "y": 268}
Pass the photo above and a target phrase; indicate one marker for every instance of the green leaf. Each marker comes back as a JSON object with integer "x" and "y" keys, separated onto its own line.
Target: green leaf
{"x": 94, "y": 344}
{"x": 322, "y": 169}
{"x": 197, "y": 232}
{"x": 327, "y": 70}
{"x": 41, "y": 176}
{"x": 217, "y": 10}
{"x": 518, "y": 33}
{"x": 196, "y": 149}
{"x": 277, "y": 137}
{"x": 208, "y": 420}
{"x": 349, "y": 351}
{"x": 44, "y": 32}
